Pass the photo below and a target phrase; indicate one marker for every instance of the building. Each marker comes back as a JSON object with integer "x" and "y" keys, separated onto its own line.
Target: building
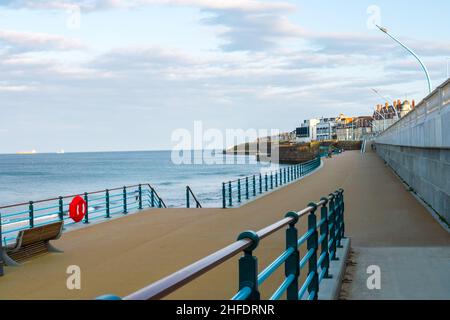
{"x": 354, "y": 128}
{"x": 387, "y": 115}
{"x": 307, "y": 131}
{"x": 326, "y": 129}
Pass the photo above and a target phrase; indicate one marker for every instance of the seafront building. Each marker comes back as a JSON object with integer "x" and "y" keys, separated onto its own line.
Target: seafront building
{"x": 387, "y": 115}
{"x": 307, "y": 131}
{"x": 343, "y": 128}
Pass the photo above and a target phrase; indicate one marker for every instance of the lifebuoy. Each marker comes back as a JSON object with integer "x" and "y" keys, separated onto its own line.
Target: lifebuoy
{"x": 77, "y": 209}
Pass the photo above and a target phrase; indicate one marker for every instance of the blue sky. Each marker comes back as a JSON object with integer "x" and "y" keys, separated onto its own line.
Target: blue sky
{"x": 131, "y": 72}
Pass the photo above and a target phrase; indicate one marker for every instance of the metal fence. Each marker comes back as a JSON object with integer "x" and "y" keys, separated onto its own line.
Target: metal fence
{"x": 236, "y": 191}
{"x": 101, "y": 204}
{"x": 323, "y": 237}
{"x": 189, "y": 195}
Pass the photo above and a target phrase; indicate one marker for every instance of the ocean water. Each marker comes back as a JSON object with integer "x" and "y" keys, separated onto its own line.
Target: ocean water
{"x": 33, "y": 177}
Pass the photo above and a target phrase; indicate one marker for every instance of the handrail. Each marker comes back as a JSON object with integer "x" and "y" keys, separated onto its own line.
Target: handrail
{"x": 433, "y": 102}
{"x": 74, "y": 195}
{"x": 236, "y": 191}
{"x": 189, "y": 193}
{"x": 104, "y": 204}
{"x": 249, "y": 240}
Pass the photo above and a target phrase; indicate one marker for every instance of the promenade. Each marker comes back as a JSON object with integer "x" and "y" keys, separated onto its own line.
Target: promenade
{"x": 125, "y": 254}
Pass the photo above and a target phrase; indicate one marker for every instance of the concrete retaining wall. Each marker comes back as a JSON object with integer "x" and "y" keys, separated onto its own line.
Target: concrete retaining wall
{"x": 427, "y": 171}
{"x": 418, "y": 148}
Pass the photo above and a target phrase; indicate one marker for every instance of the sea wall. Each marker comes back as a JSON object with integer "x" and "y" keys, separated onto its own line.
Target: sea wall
{"x": 418, "y": 148}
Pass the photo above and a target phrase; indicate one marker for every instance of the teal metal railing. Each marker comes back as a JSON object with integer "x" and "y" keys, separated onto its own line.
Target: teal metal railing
{"x": 101, "y": 204}
{"x": 324, "y": 152}
{"x": 189, "y": 195}
{"x": 237, "y": 191}
{"x": 322, "y": 240}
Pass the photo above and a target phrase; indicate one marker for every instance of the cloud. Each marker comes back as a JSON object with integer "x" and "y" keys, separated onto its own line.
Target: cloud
{"x": 250, "y": 25}
{"x": 141, "y": 59}
{"x": 16, "y": 41}
{"x": 93, "y": 5}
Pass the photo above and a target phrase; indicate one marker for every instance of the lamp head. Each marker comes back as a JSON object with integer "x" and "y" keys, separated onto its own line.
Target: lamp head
{"x": 382, "y": 28}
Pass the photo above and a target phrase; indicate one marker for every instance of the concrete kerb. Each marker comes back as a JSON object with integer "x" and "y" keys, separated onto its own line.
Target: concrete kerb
{"x": 330, "y": 288}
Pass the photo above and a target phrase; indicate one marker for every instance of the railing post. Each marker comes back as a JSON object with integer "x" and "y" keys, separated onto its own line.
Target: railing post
{"x": 152, "y": 197}
{"x": 292, "y": 264}
{"x": 187, "y": 197}
{"x": 276, "y": 179}
{"x": 339, "y": 218}
{"x": 107, "y": 204}
{"x": 271, "y": 180}
{"x": 224, "y": 202}
{"x": 31, "y": 214}
{"x": 284, "y": 174}
{"x": 230, "y": 196}
{"x": 313, "y": 287}
{"x": 140, "y": 197}
{"x": 248, "y": 266}
{"x": 260, "y": 183}
{"x": 247, "y": 196}
{"x": 2, "y": 272}
{"x": 301, "y": 169}
{"x": 281, "y": 177}
{"x": 61, "y": 209}
{"x": 239, "y": 190}
{"x": 160, "y": 203}
{"x": 265, "y": 179}
{"x": 86, "y": 216}
{"x": 332, "y": 216}
{"x": 324, "y": 234}
{"x": 342, "y": 213}
{"x": 125, "y": 210}
{"x": 254, "y": 186}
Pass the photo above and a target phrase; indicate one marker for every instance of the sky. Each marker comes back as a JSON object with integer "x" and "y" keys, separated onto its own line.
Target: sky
{"x": 114, "y": 75}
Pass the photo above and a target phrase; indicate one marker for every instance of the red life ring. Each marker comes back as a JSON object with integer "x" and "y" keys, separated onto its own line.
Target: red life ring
{"x": 77, "y": 209}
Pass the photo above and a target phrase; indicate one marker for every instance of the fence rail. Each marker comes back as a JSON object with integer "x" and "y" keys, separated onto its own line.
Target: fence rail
{"x": 190, "y": 194}
{"x": 322, "y": 239}
{"x": 236, "y": 191}
{"x": 101, "y": 204}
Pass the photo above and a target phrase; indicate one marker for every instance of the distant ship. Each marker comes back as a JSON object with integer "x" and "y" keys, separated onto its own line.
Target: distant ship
{"x": 60, "y": 151}
{"x": 27, "y": 152}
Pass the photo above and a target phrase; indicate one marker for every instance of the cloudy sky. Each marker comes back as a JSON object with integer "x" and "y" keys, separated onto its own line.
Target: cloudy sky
{"x": 87, "y": 75}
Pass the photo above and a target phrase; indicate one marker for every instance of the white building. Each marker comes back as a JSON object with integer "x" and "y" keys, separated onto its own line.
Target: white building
{"x": 326, "y": 129}
{"x": 307, "y": 131}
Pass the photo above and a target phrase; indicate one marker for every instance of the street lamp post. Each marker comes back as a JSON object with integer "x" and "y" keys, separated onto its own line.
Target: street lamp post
{"x": 383, "y": 29}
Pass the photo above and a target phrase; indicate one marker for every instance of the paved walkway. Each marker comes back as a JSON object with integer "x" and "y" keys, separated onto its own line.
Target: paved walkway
{"x": 122, "y": 255}
{"x": 392, "y": 230}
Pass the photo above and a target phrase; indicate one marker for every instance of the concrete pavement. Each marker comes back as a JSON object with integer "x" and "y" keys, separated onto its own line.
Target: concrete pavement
{"x": 392, "y": 230}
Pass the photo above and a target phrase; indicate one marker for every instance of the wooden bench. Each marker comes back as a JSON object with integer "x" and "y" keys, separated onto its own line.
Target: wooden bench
{"x": 32, "y": 242}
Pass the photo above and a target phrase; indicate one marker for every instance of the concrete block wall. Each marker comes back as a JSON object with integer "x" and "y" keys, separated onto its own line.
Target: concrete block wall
{"x": 427, "y": 171}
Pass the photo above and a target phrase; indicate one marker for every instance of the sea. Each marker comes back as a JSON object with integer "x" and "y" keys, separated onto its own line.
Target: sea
{"x": 32, "y": 177}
